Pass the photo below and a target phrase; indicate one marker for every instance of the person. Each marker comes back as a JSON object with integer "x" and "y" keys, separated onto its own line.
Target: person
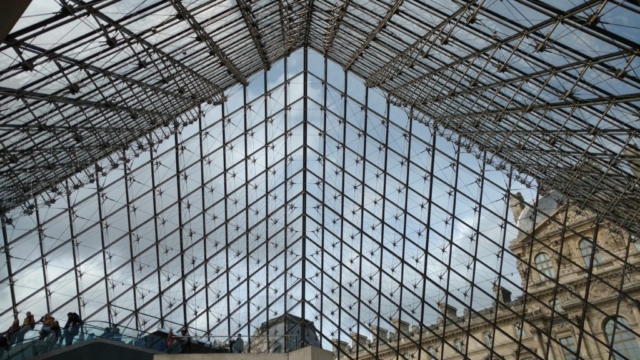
{"x": 45, "y": 344}
{"x": 111, "y": 333}
{"x": 13, "y": 331}
{"x": 238, "y": 345}
{"x": 72, "y": 327}
{"x": 47, "y": 321}
{"x": 168, "y": 341}
{"x": 57, "y": 331}
{"x": 186, "y": 340}
{"x": 28, "y": 324}
{"x": 4, "y": 345}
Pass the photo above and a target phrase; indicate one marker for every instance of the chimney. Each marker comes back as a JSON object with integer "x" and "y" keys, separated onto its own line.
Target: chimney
{"x": 343, "y": 345}
{"x": 358, "y": 338}
{"x": 380, "y": 333}
{"x": 400, "y": 325}
{"x": 448, "y": 311}
{"x": 503, "y": 295}
{"x": 516, "y": 202}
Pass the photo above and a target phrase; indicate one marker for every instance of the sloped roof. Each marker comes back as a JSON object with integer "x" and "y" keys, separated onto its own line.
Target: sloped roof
{"x": 217, "y": 163}
{"x": 545, "y": 86}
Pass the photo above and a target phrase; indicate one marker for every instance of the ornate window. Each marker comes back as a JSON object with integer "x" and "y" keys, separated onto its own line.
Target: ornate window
{"x": 544, "y": 265}
{"x": 586, "y": 249}
{"x": 459, "y": 345}
{"x": 621, "y": 339}
{"x": 568, "y": 348}
{"x": 556, "y": 307}
{"x": 487, "y": 338}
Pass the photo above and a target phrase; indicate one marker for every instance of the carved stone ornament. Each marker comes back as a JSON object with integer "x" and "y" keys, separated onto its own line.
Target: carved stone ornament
{"x": 599, "y": 290}
{"x": 570, "y": 292}
{"x": 562, "y": 327}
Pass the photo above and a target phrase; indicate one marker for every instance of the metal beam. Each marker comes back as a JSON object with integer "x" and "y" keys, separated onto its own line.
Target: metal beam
{"x": 142, "y": 41}
{"x": 252, "y": 25}
{"x": 202, "y": 35}
{"x": 374, "y": 33}
{"x": 541, "y": 106}
{"x": 335, "y": 23}
{"x": 215, "y": 93}
{"x": 526, "y": 33}
{"x": 503, "y": 83}
{"x": 307, "y": 30}
{"x": 406, "y": 57}
{"x": 32, "y": 95}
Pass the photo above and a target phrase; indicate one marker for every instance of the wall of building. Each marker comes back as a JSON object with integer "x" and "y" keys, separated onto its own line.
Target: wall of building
{"x": 307, "y": 353}
{"x": 562, "y": 243}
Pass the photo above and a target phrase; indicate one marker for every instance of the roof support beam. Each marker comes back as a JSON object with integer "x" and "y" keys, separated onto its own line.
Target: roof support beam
{"x": 308, "y": 25}
{"x": 141, "y": 41}
{"x": 335, "y": 22}
{"x": 408, "y": 56}
{"x": 79, "y": 103}
{"x": 539, "y": 107}
{"x": 214, "y": 93}
{"x": 466, "y": 90}
{"x": 252, "y": 25}
{"x": 202, "y": 35}
{"x": 488, "y": 50}
{"x": 374, "y": 33}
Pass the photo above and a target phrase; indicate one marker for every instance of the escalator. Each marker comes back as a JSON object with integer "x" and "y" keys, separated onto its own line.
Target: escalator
{"x": 92, "y": 334}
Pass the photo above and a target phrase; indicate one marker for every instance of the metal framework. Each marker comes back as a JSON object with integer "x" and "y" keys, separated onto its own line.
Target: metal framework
{"x": 217, "y": 164}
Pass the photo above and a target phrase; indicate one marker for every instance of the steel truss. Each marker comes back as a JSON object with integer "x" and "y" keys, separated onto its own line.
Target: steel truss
{"x": 187, "y": 163}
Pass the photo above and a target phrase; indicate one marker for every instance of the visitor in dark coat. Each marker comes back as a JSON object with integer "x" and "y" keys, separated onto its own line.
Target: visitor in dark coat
{"x": 13, "y": 331}
{"x": 72, "y": 327}
{"x": 4, "y": 345}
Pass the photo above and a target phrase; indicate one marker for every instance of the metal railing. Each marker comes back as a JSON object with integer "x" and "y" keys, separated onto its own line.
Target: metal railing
{"x": 255, "y": 344}
{"x": 38, "y": 341}
{"x": 41, "y": 341}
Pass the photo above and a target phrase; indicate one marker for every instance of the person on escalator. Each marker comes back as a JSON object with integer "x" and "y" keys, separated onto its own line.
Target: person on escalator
{"x": 28, "y": 324}
{"x": 13, "y": 331}
{"x": 185, "y": 340}
{"x": 238, "y": 345}
{"x": 57, "y": 331}
{"x": 72, "y": 327}
{"x": 47, "y": 321}
{"x": 4, "y": 345}
{"x": 168, "y": 341}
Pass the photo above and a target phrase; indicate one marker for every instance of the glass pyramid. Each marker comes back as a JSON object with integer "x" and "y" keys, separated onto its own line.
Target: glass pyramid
{"x": 153, "y": 179}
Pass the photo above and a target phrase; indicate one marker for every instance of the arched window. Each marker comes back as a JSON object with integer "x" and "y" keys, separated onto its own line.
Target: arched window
{"x": 433, "y": 354}
{"x": 586, "y": 249}
{"x": 520, "y": 333}
{"x": 459, "y": 345}
{"x": 568, "y": 348}
{"x": 544, "y": 265}
{"x": 621, "y": 339}
{"x": 487, "y": 338}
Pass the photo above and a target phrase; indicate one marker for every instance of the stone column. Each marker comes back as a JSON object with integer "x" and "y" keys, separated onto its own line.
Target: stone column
{"x": 592, "y": 346}
{"x": 541, "y": 347}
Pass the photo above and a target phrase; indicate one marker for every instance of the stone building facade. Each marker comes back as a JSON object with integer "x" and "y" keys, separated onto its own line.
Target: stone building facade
{"x": 283, "y": 334}
{"x": 577, "y": 308}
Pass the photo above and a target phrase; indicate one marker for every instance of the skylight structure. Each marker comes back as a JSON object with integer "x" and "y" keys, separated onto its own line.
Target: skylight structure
{"x": 217, "y": 164}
